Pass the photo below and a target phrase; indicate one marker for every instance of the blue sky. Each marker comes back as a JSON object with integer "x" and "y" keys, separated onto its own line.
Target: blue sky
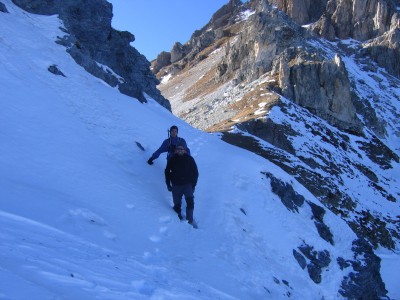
{"x": 158, "y": 24}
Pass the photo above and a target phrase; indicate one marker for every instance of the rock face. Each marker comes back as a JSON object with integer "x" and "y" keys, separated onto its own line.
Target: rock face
{"x": 357, "y": 19}
{"x": 323, "y": 87}
{"x": 385, "y": 49}
{"x": 361, "y": 20}
{"x": 309, "y": 79}
{"x": 3, "y": 8}
{"x": 163, "y": 59}
{"x": 365, "y": 283}
{"x": 177, "y": 53}
{"x": 93, "y": 43}
{"x": 302, "y": 11}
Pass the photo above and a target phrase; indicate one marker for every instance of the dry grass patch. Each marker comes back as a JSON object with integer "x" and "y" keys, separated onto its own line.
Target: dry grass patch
{"x": 204, "y": 86}
{"x": 253, "y": 105}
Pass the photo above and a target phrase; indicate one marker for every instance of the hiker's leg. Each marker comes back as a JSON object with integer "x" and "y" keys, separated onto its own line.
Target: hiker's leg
{"x": 177, "y": 193}
{"x": 189, "y": 209}
{"x": 188, "y": 192}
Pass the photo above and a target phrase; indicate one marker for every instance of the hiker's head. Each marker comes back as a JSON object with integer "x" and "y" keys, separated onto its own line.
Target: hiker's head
{"x": 180, "y": 149}
{"x": 173, "y": 131}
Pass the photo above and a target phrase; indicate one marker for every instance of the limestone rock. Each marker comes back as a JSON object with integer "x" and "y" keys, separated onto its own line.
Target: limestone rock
{"x": 177, "y": 52}
{"x": 163, "y": 59}
{"x": 385, "y": 50}
{"x": 319, "y": 85}
{"x": 301, "y": 11}
{"x": 323, "y": 87}
{"x": 358, "y": 19}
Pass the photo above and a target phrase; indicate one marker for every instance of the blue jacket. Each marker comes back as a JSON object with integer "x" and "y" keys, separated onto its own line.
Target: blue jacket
{"x": 169, "y": 146}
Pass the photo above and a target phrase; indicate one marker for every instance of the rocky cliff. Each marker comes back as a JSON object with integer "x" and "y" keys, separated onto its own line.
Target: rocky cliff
{"x": 377, "y": 23}
{"x": 101, "y": 50}
{"x": 313, "y": 87}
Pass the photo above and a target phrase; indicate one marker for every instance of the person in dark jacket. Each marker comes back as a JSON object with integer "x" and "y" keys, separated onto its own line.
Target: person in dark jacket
{"x": 182, "y": 172}
{"x": 168, "y": 145}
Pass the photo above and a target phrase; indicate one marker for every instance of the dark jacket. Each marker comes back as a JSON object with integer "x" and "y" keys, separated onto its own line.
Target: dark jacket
{"x": 180, "y": 170}
{"x": 169, "y": 145}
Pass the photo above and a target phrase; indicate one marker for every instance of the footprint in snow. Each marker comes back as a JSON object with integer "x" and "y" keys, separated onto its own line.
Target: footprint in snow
{"x": 165, "y": 219}
{"x": 155, "y": 238}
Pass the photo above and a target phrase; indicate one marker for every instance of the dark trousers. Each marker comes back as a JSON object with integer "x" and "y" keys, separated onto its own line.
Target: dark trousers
{"x": 178, "y": 191}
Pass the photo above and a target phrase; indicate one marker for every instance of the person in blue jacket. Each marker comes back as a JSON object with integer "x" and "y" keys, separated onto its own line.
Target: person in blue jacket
{"x": 169, "y": 145}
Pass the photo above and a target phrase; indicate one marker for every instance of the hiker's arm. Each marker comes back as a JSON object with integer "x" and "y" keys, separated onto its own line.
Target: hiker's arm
{"x": 167, "y": 173}
{"x": 163, "y": 148}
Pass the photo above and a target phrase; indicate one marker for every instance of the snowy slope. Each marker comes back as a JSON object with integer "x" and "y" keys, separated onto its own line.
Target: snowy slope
{"x": 83, "y": 216}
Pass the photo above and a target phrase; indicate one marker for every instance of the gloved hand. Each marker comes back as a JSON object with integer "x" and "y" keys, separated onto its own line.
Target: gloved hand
{"x": 169, "y": 187}
{"x": 150, "y": 161}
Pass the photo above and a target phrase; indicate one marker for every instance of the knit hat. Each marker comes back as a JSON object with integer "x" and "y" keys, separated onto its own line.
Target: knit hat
{"x": 181, "y": 145}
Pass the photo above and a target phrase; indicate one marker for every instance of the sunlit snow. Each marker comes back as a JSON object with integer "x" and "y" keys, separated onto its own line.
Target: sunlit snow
{"x": 83, "y": 216}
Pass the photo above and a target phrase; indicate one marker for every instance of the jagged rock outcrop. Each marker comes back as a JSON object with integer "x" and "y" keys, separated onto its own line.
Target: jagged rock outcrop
{"x": 225, "y": 15}
{"x": 364, "y": 282}
{"x": 305, "y": 76}
{"x": 357, "y": 19}
{"x": 94, "y": 44}
{"x": 385, "y": 50}
{"x": 3, "y": 8}
{"x": 266, "y": 34}
{"x": 302, "y": 11}
{"x": 290, "y": 199}
{"x": 178, "y": 51}
{"x": 321, "y": 86}
{"x": 318, "y": 260}
{"x": 365, "y": 20}
{"x": 163, "y": 59}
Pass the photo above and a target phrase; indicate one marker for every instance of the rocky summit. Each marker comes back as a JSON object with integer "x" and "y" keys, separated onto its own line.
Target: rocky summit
{"x": 313, "y": 86}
